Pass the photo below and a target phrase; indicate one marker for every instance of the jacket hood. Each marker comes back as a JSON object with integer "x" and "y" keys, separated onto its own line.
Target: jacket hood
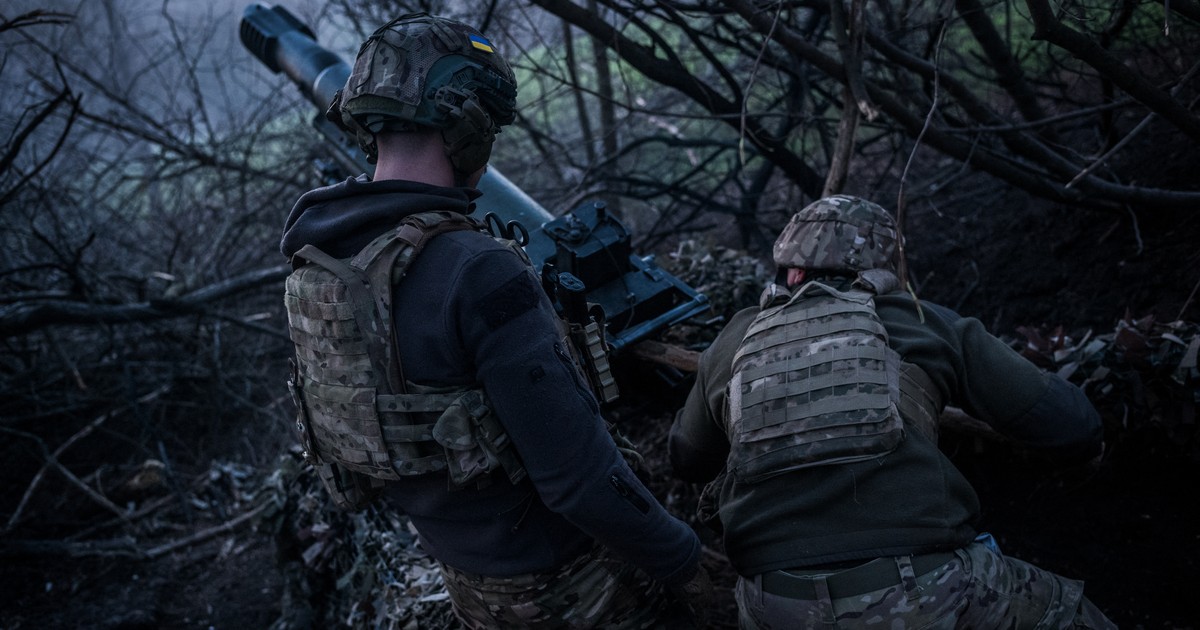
{"x": 341, "y": 219}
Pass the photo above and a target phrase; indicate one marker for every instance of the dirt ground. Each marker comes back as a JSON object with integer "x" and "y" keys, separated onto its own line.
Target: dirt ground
{"x": 1129, "y": 530}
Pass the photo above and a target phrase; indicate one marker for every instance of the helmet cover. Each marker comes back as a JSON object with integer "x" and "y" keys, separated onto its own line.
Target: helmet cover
{"x": 838, "y": 233}
{"x": 425, "y": 72}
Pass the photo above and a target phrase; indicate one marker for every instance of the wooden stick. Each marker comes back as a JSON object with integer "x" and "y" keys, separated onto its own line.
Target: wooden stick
{"x": 205, "y": 534}
{"x": 667, "y": 354}
{"x": 52, "y": 460}
{"x": 116, "y": 548}
{"x": 147, "y": 508}
{"x": 53, "y": 463}
{"x": 120, "y": 547}
{"x": 1188, "y": 302}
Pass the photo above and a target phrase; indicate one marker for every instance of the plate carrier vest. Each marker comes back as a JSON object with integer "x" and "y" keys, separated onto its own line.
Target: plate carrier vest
{"x": 815, "y": 383}
{"x": 361, "y": 423}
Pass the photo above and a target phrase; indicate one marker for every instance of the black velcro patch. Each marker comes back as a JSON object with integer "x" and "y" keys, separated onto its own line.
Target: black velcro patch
{"x": 512, "y": 299}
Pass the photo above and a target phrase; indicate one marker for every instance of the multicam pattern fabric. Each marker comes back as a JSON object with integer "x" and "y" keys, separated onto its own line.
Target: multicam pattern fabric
{"x": 593, "y": 591}
{"x": 349, "y": 490}
{"x": 355, "y": 415}
{"x": 838, "y": 233}
{"x": 814, "y": 382}
{"x": 394, "y": 64}
{"x": 421, "y": 71}
{"x": 980, "y": 588}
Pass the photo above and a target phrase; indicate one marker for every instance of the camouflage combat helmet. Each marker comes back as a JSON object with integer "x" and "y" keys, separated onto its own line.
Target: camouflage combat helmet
{"x": 838, "y": 233}
{"x": 424, "y": 72}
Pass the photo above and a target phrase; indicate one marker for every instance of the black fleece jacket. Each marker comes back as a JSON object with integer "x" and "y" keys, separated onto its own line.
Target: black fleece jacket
{"x": 469, "y": 312}
{"x": 911, "y": 500}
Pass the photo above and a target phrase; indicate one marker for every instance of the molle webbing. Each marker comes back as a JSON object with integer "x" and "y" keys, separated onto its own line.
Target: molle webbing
{"x": 371, "y": 333}
{"x": 814, "y": 383}
{"x": 337, "y": 374}
{"x": 360, "y": 411}
{"x": 808, "y": 325}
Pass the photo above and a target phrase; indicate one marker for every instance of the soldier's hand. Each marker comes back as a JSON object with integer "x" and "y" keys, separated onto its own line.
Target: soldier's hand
{"x": 696, "y": 595}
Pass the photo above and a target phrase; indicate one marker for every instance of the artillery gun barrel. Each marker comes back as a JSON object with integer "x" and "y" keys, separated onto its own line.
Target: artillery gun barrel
{"x": 285, "y": 44}
{"x": 637, "y": 297}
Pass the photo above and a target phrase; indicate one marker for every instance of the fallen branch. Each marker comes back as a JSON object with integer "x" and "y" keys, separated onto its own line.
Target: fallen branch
{"x": 667, "y": 354}
{"x": 1188, "y": 301}
{"x": 116, "y": 548}
{"x": 205, "y": 534}
{"x": 52, "y": 460}
{"x": 119, "y": 547}
{"x": 146, "y": 509}
{"x": 20, "y": 318}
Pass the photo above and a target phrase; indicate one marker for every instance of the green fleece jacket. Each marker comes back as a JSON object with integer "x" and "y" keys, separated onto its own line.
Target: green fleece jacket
{"x": 913, "y": 500}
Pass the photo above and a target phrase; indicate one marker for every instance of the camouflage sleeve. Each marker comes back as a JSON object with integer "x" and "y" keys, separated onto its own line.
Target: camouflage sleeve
{"x": 698, "y": 444}
{"x": 508, "y": 329}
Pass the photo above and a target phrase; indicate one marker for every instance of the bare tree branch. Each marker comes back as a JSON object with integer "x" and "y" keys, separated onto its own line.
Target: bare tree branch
{"x": 64, "y": 96}
{"x": 677, "y": 76}
{"x": 1008, "y": 72}
{"x": 1050, "y": 29}
{"x": 21, "y": 318}
{"x": 34, "y": 18}
{"x": 52, "y": 460}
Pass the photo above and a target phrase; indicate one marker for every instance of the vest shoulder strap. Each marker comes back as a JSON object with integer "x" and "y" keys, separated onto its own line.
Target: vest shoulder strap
{"x": 386, "y": 260}
{"x": 371, "y": 275}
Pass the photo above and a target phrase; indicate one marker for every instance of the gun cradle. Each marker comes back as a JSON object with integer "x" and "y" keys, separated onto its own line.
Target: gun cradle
{"x": 637, "y": 297}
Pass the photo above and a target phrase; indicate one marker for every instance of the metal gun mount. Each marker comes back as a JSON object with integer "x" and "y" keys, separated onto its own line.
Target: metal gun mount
{"x": 638, "y": 298}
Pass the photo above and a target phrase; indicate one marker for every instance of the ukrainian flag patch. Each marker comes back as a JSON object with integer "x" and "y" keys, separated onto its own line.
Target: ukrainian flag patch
{"x": 480, "y": 43}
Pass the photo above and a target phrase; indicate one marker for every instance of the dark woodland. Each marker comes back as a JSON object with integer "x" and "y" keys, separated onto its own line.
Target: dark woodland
{"x": 1041, "y": 158}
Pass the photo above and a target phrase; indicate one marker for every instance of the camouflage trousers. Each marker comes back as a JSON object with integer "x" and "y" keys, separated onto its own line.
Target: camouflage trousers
{"x": 592, "y": 591}
{"x": 978, "y": 588}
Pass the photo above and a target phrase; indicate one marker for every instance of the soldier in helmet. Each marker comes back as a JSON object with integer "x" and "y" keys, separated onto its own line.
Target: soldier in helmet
{"x": 814, "y": 420}
{"x": 430, "y": 369}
